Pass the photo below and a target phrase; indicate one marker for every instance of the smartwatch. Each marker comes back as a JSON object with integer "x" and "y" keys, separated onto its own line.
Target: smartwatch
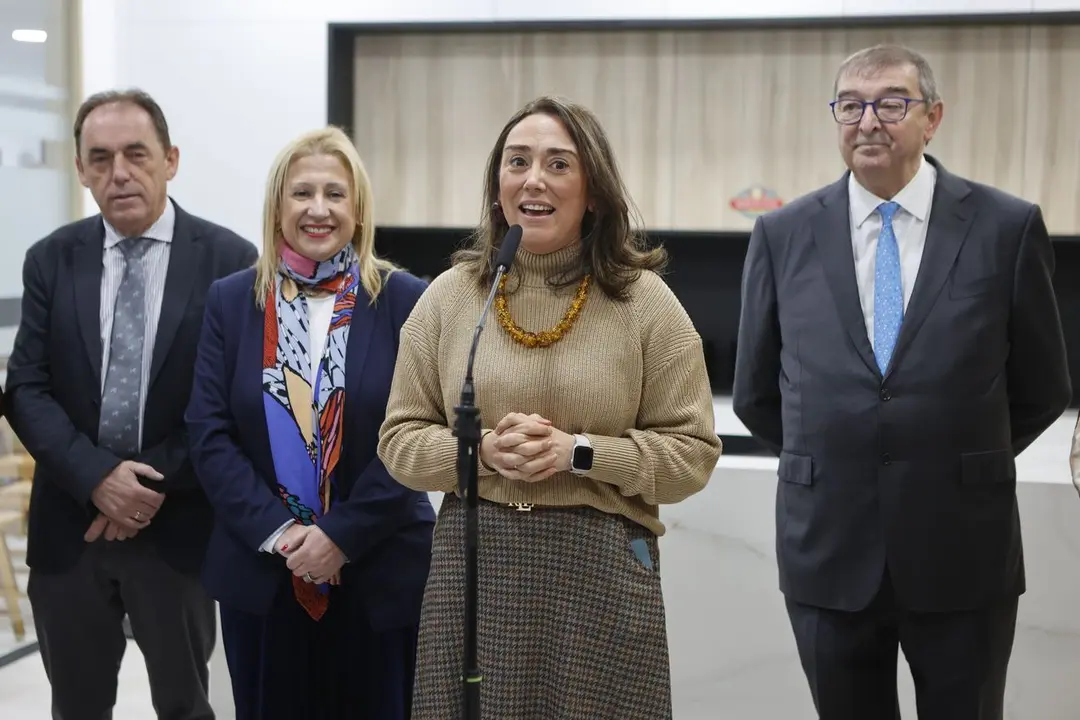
{"x": 582, "y": 457}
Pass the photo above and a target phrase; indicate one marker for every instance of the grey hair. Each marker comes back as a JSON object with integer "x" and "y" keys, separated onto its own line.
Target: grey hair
{"x": 882, "y": 57}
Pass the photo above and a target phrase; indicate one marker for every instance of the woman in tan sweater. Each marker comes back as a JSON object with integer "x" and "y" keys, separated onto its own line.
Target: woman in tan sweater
{"x": 592, "y": 355}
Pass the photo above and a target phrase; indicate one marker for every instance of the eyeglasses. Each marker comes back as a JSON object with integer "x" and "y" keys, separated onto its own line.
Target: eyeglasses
{"x": 888, "y": 109}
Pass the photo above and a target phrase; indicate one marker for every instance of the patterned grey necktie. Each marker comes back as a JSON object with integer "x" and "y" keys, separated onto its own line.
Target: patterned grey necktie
{"x": 119, "y": 427}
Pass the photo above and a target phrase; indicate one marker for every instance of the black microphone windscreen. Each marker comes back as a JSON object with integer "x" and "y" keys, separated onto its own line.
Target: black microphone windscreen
{"x": 509, "y": 248}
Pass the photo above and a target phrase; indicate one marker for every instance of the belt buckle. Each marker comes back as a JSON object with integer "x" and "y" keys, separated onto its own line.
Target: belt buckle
{"x": 522, "y": 506}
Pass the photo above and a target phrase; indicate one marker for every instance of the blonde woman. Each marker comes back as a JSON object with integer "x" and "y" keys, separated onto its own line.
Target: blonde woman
{"x": 318, "y": 558}
{"x": 597, "y": 410}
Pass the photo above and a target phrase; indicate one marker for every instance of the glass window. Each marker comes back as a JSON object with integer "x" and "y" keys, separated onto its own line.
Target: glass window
{"x": 37, "y": 176}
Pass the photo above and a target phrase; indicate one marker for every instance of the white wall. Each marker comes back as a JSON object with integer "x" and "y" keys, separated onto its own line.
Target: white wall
{"x": 239, "y": 78}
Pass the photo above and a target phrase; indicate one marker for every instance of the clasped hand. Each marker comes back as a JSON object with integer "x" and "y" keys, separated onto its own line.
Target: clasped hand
{"x": 125, "y": 505}
{"x": 311, "y": 554}
{"x": 527, "y": 448}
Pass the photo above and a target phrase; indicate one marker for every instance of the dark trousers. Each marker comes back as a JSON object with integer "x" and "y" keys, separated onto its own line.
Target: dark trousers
{"x": 79, "y": 617}
{"x": 287, "y": 666}
{"x": 958, "y": 660}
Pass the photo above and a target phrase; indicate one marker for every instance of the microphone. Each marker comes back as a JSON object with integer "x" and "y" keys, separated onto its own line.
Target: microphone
{"x": 507, "y": 250}
{"x": 467, "y": 431}
{"x": 503, "y": 262}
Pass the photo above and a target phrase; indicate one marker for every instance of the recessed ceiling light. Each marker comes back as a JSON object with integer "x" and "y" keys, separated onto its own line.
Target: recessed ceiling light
{"x": 31, "y": 36}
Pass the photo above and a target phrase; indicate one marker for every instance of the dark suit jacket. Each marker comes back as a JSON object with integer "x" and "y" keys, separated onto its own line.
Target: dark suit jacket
{"x": 53, "y": 396}
{"x": 914, "y": 469}
{"x": 384, "y": 529}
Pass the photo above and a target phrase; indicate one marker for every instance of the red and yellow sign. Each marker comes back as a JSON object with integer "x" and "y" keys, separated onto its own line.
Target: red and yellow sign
{"x": 755, "y": 201}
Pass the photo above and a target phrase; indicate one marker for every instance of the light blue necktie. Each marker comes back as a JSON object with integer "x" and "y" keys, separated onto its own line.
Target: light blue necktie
{"x": 888, "y": 290}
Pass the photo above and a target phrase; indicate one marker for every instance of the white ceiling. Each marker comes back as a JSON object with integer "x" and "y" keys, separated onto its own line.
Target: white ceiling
{"x": 27, "y": 60}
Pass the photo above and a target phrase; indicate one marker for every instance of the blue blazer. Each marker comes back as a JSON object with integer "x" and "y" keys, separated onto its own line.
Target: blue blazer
{"x": 384, "y": 528}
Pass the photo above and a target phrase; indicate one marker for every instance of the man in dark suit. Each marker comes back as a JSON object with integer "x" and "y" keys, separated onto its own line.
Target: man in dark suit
{"x": 98, "y": 382}
{"x": 899, "y": 346}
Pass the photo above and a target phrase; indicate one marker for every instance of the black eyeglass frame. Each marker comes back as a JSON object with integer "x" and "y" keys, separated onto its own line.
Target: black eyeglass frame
{"x": 874, "y": 104}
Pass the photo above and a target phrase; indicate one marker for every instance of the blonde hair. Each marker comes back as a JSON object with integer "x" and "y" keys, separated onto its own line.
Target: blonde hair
{"x": 326, "y": 141}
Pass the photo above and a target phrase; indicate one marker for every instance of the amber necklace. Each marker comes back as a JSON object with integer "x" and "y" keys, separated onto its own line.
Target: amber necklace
{"x": 543, "y": 338}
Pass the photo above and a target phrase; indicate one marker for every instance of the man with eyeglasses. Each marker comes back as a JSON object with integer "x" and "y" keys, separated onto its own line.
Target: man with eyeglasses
{"x": 899, "y": 346}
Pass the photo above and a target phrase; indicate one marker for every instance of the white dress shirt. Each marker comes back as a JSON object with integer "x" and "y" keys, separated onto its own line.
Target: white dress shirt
{"x": 909, "y": 226}
{"x": 156, "y": 266}
{"x": 320, "y": 314}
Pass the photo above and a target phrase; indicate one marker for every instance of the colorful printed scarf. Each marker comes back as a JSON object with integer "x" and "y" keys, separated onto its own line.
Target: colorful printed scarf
{"x": 304, "y": 414}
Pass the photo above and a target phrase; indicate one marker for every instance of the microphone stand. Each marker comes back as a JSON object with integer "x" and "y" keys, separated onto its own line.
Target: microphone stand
{"x": 467, "y": 431}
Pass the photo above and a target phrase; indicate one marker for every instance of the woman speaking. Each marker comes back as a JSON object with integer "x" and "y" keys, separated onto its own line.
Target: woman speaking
{"x": 596, "y": 408}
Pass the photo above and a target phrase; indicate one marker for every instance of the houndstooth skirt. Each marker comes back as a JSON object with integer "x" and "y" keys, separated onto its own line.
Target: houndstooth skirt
{"x": 571, "y": 621}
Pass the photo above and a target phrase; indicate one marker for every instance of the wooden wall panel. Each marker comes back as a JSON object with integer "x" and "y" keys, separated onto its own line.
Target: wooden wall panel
{"x": 697, "y": 117}
{"x": 750, "y": 111}
{"x": 428, "y": 109}
{"x": 1052, "y": 147}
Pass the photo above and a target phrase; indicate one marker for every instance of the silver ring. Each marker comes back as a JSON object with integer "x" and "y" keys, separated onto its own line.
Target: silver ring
{"x": 307, "y": 576}
{"x": 138, "y": 515}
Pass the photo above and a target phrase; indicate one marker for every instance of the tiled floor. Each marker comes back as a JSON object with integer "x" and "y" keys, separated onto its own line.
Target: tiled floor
{"x": 24, "y": 689}
{"x": 732, "y": 654}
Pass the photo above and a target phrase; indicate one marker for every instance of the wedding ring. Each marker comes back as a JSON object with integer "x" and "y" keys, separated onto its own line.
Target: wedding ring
{"x": 138, "y": 515}
{"x": 307, "y": 576}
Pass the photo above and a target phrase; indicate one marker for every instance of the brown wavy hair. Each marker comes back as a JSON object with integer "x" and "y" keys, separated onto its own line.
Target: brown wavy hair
{"x": 612, "y": 249}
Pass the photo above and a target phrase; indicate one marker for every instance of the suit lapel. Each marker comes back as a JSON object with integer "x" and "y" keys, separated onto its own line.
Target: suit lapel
{"x": 831, "y": 229}
{"x": 950, "y": 222}
{"x": 249, "y": 374}
{"x": 88, "y": 268}
{"x": 361, "y": 328}
{"x": 179, "y": 281}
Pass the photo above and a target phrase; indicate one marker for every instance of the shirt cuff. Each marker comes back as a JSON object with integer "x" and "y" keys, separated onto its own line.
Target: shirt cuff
{"x": 271, "y": 542}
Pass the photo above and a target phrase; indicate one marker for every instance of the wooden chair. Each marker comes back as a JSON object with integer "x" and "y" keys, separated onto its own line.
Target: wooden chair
{"x": 17, "y": 467}
{"x": 15, "y": 496}
{"x": 9, "y": 588}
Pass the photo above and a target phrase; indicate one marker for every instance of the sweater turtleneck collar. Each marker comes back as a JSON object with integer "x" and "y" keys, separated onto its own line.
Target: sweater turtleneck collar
{"x": 534, "y": 269}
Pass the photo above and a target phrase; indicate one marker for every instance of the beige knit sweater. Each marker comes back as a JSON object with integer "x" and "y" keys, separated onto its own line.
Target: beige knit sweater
{"x": 630, "y": 375}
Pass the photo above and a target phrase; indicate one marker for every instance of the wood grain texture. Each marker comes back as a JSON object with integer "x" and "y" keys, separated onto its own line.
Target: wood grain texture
{"x": 1052, "y": 141}
{"x": 697, "y": 117}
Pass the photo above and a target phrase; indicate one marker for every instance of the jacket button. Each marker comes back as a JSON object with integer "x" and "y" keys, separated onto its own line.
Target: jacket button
{"x": 886, "y": 459}
{"x": 886, "y": 395}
